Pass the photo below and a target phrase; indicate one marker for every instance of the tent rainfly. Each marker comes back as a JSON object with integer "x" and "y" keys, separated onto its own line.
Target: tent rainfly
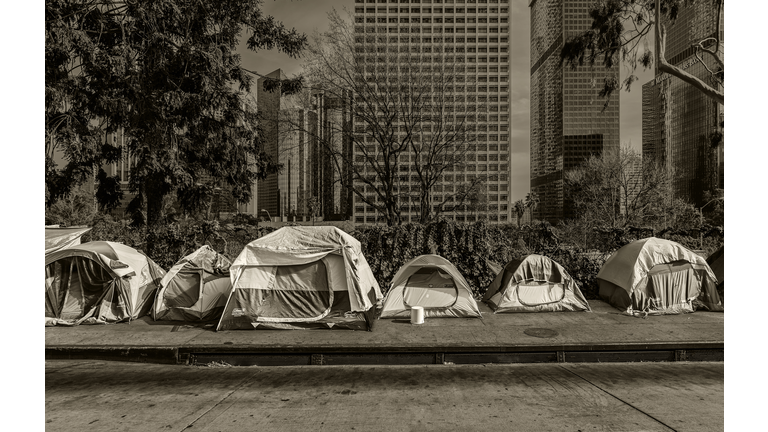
{"x": 534, "y": 284}
{"x": 99, "y": 282}
{"x": 432, "y": 282}
{"x": 716, "y": 262}
{"x": 195, "y": 288}
{"x": 59, "y": 238}
{"x": 301, "y": 277}
{"x": 658, "y": 277}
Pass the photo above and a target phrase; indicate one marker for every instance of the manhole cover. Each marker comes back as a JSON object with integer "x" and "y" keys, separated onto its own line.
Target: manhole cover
{"x": 541, "y": 332}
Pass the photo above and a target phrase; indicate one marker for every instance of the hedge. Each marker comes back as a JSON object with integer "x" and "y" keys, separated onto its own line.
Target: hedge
{"x": 474, "y": 248}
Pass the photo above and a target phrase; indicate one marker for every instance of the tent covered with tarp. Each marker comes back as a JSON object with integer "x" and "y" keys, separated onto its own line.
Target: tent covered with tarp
{"x": 658, "y": 276}
{"x": 534, "y": 283}
{"x": 716, "y": 262}
{"x": 301, "y": 277}
{"x": 99, "y": 282}
{"x": 434, "y": 283}
{"x": 195, "y": 288}
{"x": 59, "y": 238}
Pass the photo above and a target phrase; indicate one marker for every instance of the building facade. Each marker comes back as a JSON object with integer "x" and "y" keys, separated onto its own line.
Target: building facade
{"x": 678, "y": 120}
{"x": 569, "y": 121}
{"x": 471, "y": 37}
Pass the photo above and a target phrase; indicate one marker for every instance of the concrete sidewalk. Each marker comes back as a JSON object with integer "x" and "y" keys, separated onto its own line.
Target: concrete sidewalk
{"x": 603, "y": 335}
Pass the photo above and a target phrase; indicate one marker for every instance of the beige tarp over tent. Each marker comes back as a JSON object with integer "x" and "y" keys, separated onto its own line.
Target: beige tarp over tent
{"x": 195, "y": 288}
{"x": 105, "y": 281}
{"x": 59, "y": 238}
{"x": 534, "y": 284}
{"x": 432, "y": 282}
{"x": 658, "y": 276}
{"x": 716, "y": 262}
{"x": 301, "y": 277}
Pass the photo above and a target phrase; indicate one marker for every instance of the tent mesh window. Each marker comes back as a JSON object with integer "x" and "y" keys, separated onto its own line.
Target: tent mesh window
{"x": 73, "y": 286}
{"x": 537, "y": 293}
{"x": 430, "y": 288}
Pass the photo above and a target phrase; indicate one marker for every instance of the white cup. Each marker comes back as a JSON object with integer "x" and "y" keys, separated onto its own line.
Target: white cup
{"x": 417, "y": 315}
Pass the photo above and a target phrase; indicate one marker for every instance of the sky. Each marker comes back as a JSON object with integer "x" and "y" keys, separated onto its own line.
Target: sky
{"x": 308, "y": 16}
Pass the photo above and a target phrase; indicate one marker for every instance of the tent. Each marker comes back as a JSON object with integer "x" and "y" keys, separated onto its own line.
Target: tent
{"x": 301, "y": 277}
{"x": 104, "y": 281}
{"x": 59, "y": 238}
{"x": 534, "y": 284}
{"x": 432, "y": 282}
{"x": 195, "y": 288}
{"x": 716, "y": 262}
{"x": 657, "y": 276}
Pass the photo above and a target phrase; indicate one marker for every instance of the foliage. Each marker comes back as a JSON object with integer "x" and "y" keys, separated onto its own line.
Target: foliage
{"x": 74, "y": 209}
{"x": 621, "y": 189}
{"x": 475, "y": 249}
{"x": 621, "y": 31}
{"x": 167, "y": 73}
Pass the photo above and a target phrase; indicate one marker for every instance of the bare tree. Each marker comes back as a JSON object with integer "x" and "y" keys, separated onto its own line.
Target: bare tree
{"x": 406, "y": 139}
{"x": 618, "y": 189}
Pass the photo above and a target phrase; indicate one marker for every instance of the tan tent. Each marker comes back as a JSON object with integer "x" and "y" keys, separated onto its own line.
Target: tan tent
{"x": 301, "y": 277}
{"x": 105, "y": 281}
{"x": 716, "y": 262}
{"x": 432, "y": 282}
{"x": 195, "y": 288}
{"x": 534, "y": 284}
{"x": 59, "y": 238}
{"x": 658, "y": 276}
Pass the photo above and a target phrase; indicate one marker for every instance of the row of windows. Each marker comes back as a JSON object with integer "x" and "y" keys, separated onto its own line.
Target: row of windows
{"x": 449, "y": 216}
{"x": 435, "y": 1}
{"x": 403, "y": 29}
{"x": 436, "y": 59}
{"x": 431, "y": 10}
{"x": 436, "y": 40}
{"x": 430, "y": 20}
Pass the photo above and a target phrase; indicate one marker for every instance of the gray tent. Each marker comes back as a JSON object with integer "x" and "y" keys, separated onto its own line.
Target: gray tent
{"x": 534, "y": 284}
{"x": 105, "y": 281}
{"x": 195, "y": 288}
{"x": 301, "y": 277}
{"x": 434, "y": 283}
{"x": 657, "y": 276}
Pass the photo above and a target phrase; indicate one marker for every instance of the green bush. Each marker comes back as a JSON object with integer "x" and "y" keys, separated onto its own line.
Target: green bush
{"x": 474, "y": 248}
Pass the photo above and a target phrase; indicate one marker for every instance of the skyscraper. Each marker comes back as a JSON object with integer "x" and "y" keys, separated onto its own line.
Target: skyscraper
{"x": 677, "y": 118}
{"x": 568, "y": 120}
{"x": 471, "y": 39}
{"x": 285, "y": 126}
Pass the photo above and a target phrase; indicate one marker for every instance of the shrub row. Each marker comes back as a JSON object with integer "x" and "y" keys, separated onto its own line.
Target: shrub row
{"x": 476, "y": 249}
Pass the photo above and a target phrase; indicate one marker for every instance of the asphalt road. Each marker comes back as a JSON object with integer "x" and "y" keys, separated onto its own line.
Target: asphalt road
{"x": 113, "y": 396}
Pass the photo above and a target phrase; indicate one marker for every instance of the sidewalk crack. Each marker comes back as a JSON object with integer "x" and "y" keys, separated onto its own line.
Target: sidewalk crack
{"x": 245, "y": 381}
{"x": 619, "y": 399}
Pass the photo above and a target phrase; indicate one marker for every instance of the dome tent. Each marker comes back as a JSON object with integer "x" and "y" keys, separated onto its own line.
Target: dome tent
{"x": 195, "y": 288}
{"x": 658, "y": 276}
{"x": 105, "y": 281}
{"x": 301, "y": 277}
{"x": 432, "y": 282}
{"x": 534, "y": 284}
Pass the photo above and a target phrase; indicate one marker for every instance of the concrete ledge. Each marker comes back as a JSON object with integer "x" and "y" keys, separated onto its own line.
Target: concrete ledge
{"x": 160, "y": 355}
{"x": 245, "y": 356}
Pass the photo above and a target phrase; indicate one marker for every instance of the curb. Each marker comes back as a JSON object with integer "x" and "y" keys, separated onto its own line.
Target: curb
{"x": 307, "y": 355}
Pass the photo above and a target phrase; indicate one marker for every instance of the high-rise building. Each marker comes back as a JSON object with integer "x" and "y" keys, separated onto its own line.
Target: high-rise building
{"x": 569, "y": 121}
{"x": 331, "y": 116}
{"x": 471, "y": 37}
{"x": 286, "y": 129}
{"x": 677, "y": 118}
